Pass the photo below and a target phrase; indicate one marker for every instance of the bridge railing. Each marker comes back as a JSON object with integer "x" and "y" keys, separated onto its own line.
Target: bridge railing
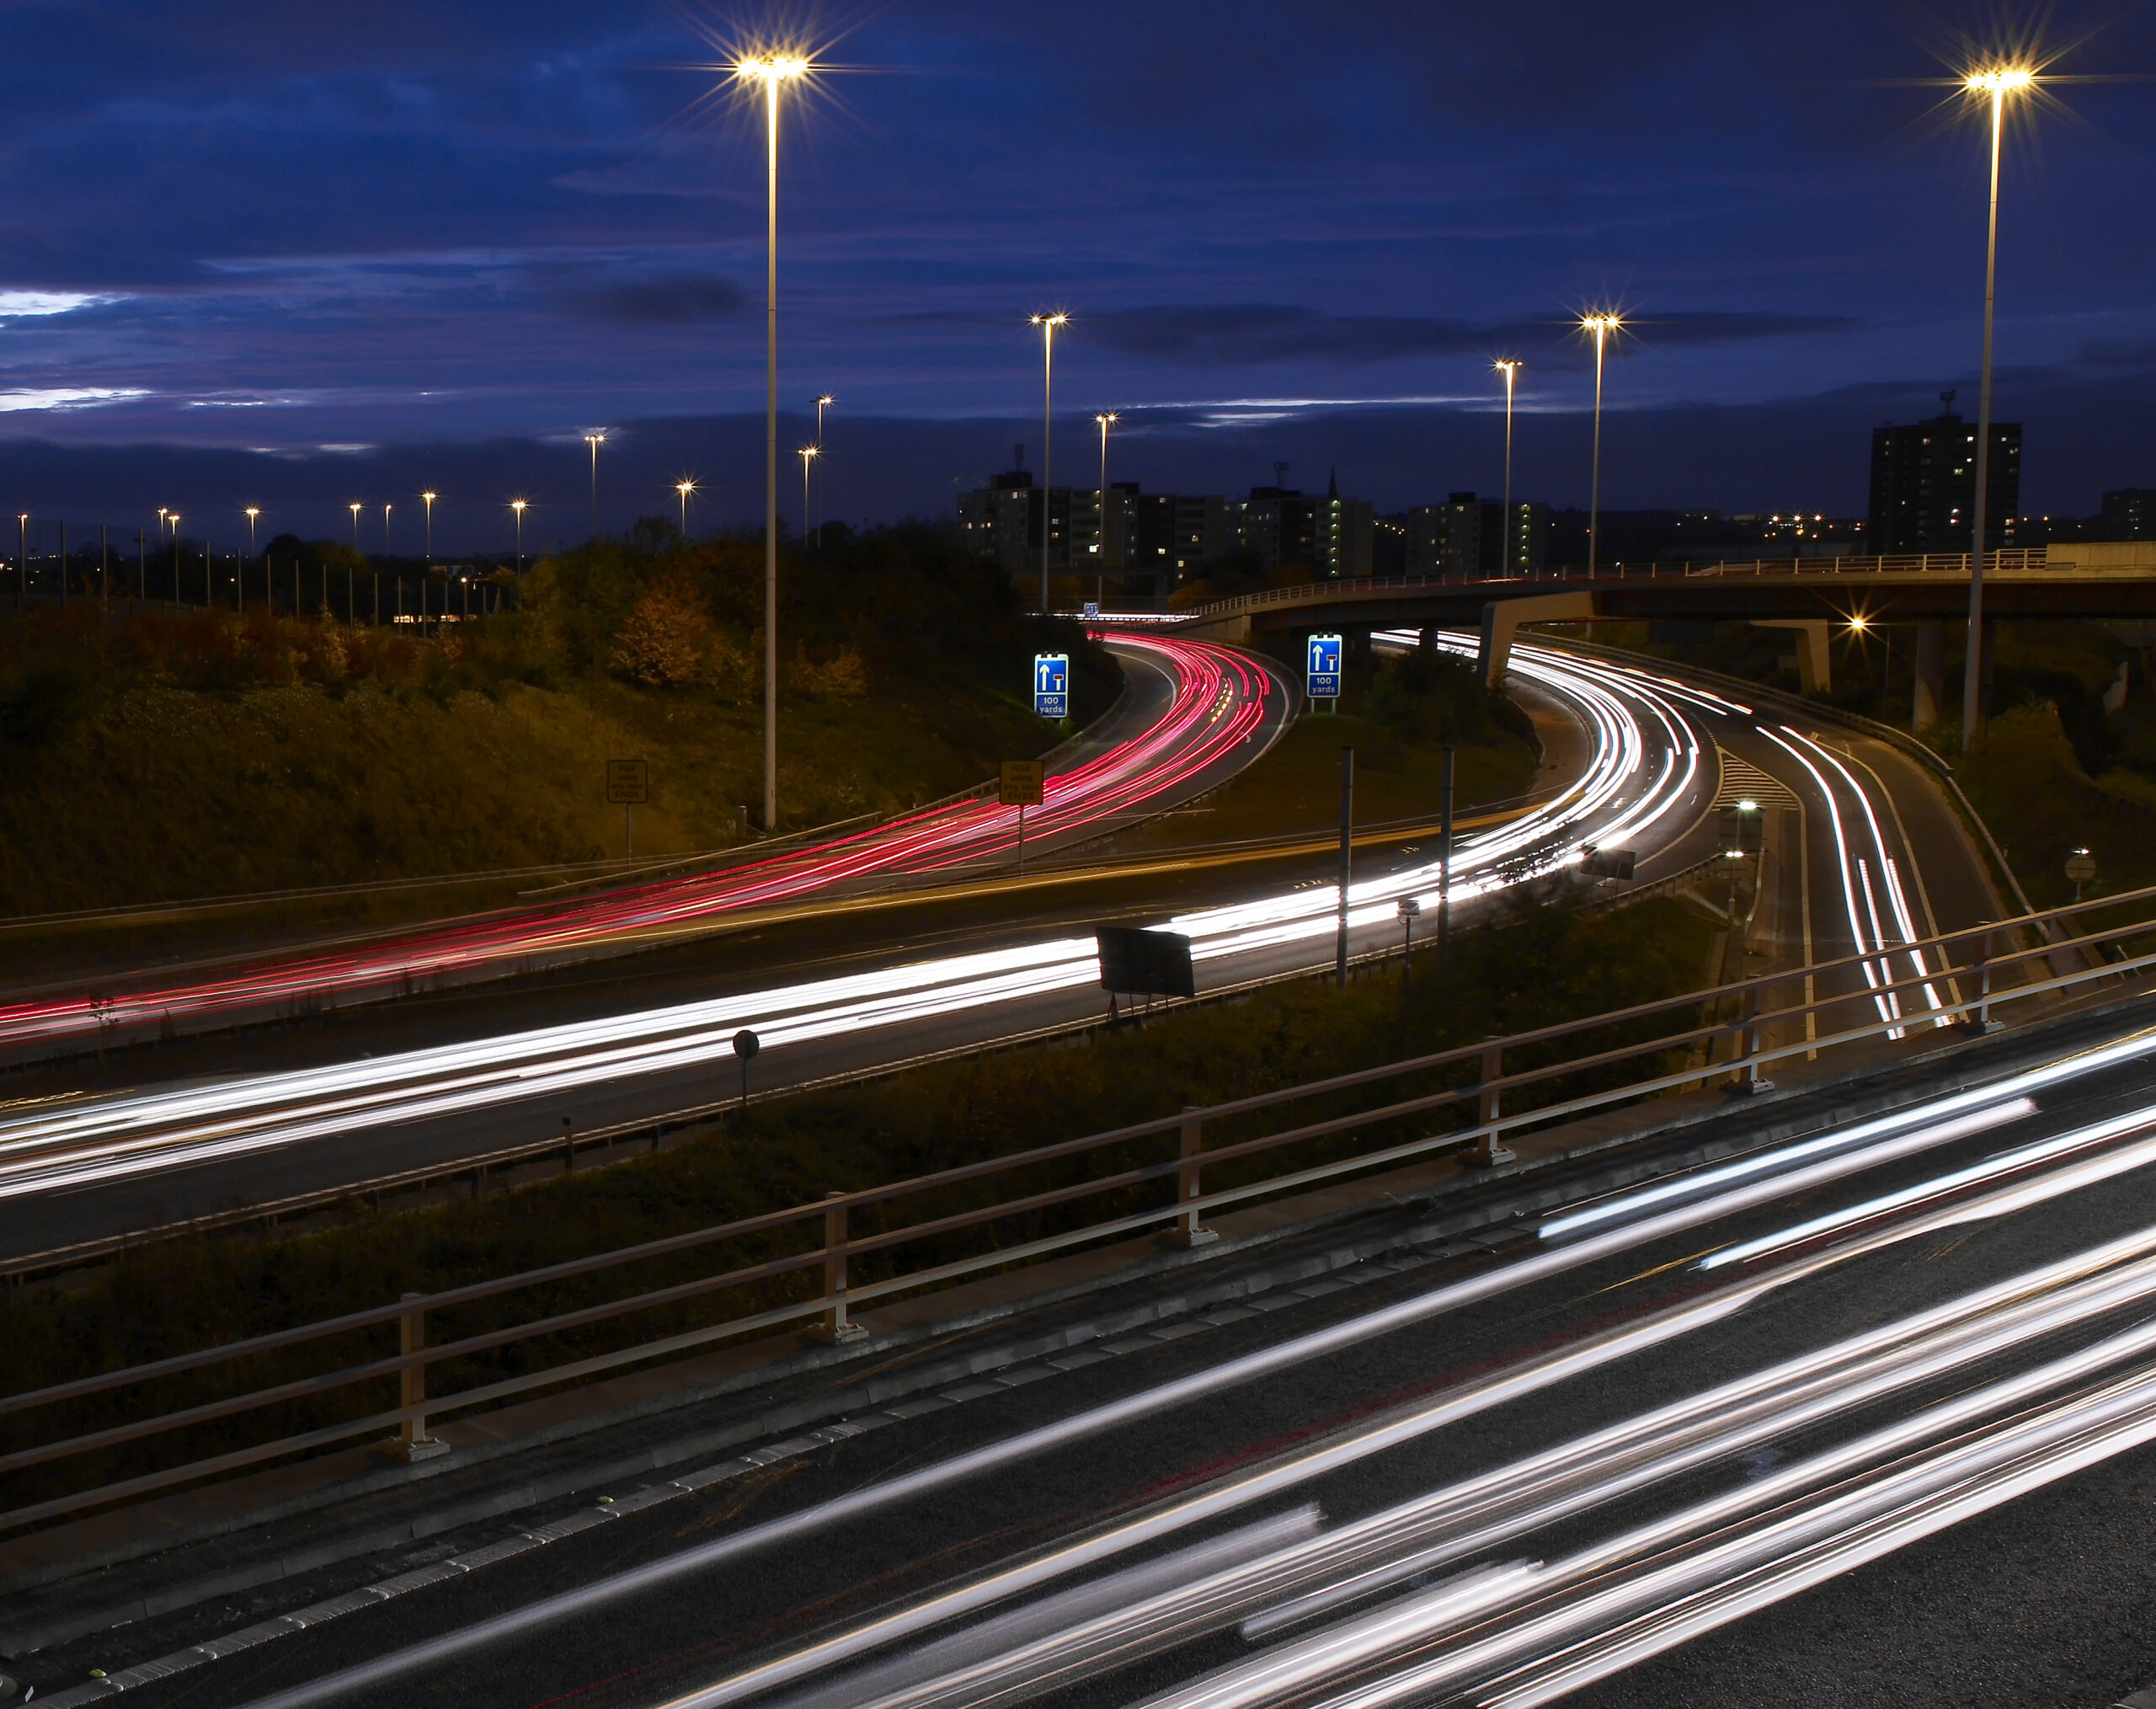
{"x": 116, "y": 1435}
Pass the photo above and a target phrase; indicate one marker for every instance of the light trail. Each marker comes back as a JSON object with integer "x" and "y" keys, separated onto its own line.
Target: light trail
{"x": 1623, "y": 792}
{"x": 1220, "y": 699}
{"x": 1463, "y": 1401}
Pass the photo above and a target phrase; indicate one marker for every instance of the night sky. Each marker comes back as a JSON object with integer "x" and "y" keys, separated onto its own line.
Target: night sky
{"x": 297, "y": 255}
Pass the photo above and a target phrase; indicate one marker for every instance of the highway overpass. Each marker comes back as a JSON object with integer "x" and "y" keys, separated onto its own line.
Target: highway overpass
{"x": 1809, "y": 596}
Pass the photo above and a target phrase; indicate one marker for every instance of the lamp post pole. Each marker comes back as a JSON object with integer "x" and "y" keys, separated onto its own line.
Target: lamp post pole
{"x": 1101, "y": 544}
{"x": 822, "y": 404}
{"x": 807, "y": 458}
{"x": 594, "y": 441}
{"x": 1510, "y": 369}
{"x": 517, "y": 505}
{"x": 427, "y": 499}
{"x": 1998, "y": 84}
{"x": 684, "y": 488}
{"x": 1601, "y": 325}
{"x": 1047, "y": 323}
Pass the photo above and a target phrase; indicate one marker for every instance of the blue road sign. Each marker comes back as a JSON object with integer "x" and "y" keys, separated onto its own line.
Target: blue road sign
{"x": 1092, "y": 609}
{"x": 1322, "y": 667}
{"x": 1052, "y": 685}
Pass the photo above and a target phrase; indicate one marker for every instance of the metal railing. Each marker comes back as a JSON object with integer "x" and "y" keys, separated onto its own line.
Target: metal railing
{"x": 1966, "y": 988}
{"x": 2009, "y": 562}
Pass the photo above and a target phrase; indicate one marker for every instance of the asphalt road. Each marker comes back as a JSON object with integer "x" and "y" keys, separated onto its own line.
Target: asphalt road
{"x": 81, "y": 1167}
{"x": 1623, "y": 1387}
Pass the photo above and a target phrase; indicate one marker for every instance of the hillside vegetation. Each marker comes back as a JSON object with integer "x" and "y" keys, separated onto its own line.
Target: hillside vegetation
{"x": 162, "y": 755}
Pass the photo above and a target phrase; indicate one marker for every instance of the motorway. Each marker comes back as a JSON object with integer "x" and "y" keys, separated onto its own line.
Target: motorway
{"x": 1859, "y": 1379}
{"x": 1641, "y": 758}
{"x": 78, "y": 1168}
{"x": 1194, "y": 715}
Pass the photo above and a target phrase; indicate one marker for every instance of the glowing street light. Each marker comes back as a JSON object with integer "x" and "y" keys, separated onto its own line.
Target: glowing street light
{"x": 1100, "y": 568}
{"x": 1992, "y": 84}
{"x": 1510, "y": 369}
{"x": 1601, "y": 326}
{"x": 808, "y": 454}
{"x": 385, "y": 548}
{"x": 684, "y": 488}
{"x": 822, "y": 404}
{"x": 1047, "y": 323}
{"x": 517, "y": 505}
{"x": 251, "y": 513}
{"x": 427, "y": 499}
{"x": 773, "y": 71}
{"x": 594, "y": 441}
{"x": 355, "y": 528}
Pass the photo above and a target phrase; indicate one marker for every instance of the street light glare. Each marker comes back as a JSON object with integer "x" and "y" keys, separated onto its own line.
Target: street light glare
{"x": 1050, "y": 320}
{"x": 1999, "y": 80}
{"x": 771, "y": 68}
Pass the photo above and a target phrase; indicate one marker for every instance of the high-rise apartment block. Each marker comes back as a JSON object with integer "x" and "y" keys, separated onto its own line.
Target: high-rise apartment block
{"x": 1470, "y": 537}
{"x": 1923, "y": 485}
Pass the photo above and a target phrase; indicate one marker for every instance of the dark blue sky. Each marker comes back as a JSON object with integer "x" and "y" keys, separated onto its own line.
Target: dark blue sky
{"x": 398, "y": 244}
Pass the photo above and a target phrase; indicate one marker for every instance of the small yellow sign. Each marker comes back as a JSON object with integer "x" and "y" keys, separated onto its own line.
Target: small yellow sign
{"x": 1023, "y": 783}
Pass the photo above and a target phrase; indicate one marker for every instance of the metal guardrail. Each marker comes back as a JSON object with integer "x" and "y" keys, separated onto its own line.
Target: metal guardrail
{"x": 1180, "y": 1218}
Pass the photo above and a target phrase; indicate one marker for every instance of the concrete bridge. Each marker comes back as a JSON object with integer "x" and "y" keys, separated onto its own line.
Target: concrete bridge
{"x": 1810, "y": 596}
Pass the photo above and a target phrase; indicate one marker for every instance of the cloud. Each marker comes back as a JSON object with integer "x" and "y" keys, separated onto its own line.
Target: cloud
{"x": 1222, "y": 334}
{"x": 670, "y": 299}
{"x": 16, "y": 304}
{"x": 67, "y": 397}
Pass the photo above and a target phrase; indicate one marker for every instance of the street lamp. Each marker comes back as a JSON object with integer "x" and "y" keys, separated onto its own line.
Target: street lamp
{"x": 808, "y": 456}
{"x": 822, "y": 404}
{"x": 774, "y": 71}
{"x": 517, "y": 505}
{"x": 355, "y": 527}
{"x": 594, "y": 441}
{"x": 1047, "y": 323}
{"x": 1510, "y": 369}
{"x": 427, "y": 499}
{"x": 251, "y": 513}
{"x": 1101, "y": 546}
{"x": 1601, "y": 326}
{"x": 387, "y": 549}
{"x": 684, "y": 488}
{"x": 1994, "y": 84}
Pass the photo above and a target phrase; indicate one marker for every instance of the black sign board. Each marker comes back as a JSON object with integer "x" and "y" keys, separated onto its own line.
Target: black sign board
{"x": 1156, "y": 964}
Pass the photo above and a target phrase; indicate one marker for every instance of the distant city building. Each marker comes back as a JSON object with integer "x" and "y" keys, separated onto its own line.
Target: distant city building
{"x": 1340, "y": 534}
{"x": 1201, "y": 531}
{"x": 2129, "y": 514}
{"x": 1002, "y": 521}
{"x": 1279, "y": 524}
{"x": 1468, "y": 536}
{"x": 1923, "y": 485}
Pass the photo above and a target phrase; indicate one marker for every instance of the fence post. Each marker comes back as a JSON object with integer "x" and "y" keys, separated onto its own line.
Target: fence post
{"x": 411, "y": 1442}
{"x": 1488, "y": 1152}
{"x": 1983, "y": 1021}
{"x": 1751, "y": 1083}
{"x": 835, "y": 1325}
{"x": 1186, "y": 1231}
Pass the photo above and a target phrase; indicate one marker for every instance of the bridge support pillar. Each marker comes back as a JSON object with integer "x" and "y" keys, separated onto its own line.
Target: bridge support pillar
{"x": 1501, "y": 621}
{"x": 1931, "y": 675}
{"x": 1815, "y": 671}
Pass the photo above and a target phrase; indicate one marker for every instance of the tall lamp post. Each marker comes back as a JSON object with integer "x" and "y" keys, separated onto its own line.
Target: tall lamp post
{"x": 251, "y": 513}
{"x": 387, "y": 548}
{"x": 774, "y": 71}
{"x": 355, "y": 527}
{"x": 807, "y": 458}
{"x": 594, "y": 441}
{"x": 684, "y": 488}
{"x": 1047, "y": 323}
{"x": 427, "y": 499}
{"x": 1101, "y": 546}
{"x": 517, "y": 505}
{"x": 1510, "y": 369}
{"x": 1993, "y": 85}
{"x": 1601, "y": 326}
{"x": 822, "y": 404}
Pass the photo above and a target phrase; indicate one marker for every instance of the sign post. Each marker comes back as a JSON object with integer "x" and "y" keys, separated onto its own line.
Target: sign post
{"x": 628, "y": 787}
{"x": 1052, "y": 685}
{"x": 1321, "y": 668}
{"x": 1023, "y": 784}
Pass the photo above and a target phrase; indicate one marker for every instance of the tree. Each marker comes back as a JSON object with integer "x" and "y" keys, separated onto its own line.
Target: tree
{"x": 663, "y": 643}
